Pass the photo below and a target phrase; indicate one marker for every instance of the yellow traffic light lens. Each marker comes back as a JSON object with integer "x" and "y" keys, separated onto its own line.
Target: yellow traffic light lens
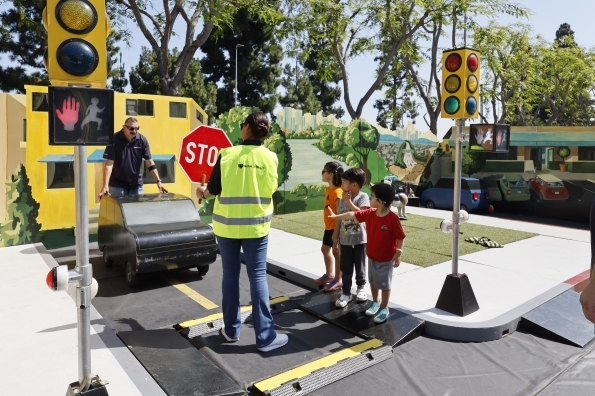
{"x": 472, "y": 84}
{"x": 472, "y": 63}
{"x": 77, "y": 57}
{"x": 451, "y": 105}
{"x": 76, "y": 16}
{"x": 452, "y": 83}
{"x": 108, "y": 25}
{"x": 453, "y": 62}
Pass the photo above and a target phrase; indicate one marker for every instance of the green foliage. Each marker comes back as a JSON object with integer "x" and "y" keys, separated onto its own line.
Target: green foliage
{"x": 258, "y": 62}
{"x": 144, "y": 78}
{"x": 316, "y": 190}
{"x": 563, "y": 152}
{"x": 300, "y": 190}
{"x": 473, "y": 162}
{"x": 276, "y": 142}
{"x": 22, "y": 226}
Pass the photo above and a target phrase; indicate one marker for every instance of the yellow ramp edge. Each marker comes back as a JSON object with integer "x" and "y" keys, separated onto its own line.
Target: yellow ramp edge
{"x": 219, "y": 315}
{"x": 309, "y": 368}
{"x": 197, "y": 297}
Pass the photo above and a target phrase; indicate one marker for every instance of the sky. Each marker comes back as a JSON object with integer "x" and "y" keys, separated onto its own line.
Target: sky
{"x": 547, "y": 16}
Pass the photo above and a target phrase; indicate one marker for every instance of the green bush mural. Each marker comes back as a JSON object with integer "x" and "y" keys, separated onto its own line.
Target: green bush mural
{"x": 22, "y": 226}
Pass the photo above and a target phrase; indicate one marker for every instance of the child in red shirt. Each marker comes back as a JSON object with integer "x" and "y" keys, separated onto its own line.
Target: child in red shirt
{"x": 385, "y": 246}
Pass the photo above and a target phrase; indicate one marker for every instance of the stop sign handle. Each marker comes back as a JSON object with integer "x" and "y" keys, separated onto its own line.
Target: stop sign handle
{"x": 202, "y": 183}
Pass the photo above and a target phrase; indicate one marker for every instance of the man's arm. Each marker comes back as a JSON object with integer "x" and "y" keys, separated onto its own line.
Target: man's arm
{"x": 152, "y": 168}
{"x": 107, "y": 172}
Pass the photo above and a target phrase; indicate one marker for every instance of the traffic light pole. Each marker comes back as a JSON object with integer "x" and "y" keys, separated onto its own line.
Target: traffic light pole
{"x": 83, "y": 288}
{"x": 457, "y": 296}
{"x": 456, "y": 206}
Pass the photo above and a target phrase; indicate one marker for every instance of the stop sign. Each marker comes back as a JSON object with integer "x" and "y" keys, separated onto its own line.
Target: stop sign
{"x": 199, "y": 151}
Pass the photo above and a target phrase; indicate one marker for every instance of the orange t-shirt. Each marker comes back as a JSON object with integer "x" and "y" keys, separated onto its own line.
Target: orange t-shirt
{"x": 331, "y": 195}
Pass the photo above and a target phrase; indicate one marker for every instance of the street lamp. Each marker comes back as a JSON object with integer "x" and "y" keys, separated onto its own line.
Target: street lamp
{"x": 236, "y": 91}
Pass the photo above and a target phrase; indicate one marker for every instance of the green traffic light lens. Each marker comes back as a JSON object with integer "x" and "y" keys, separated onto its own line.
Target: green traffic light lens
{"x": 451, "y": 105}
{"x": 452, "y": 83}
{"x": 77, "y": 57}
{"x": 472, "y": 84}
{"x": 76, "y": 16}
{"x": 471, "y": 105}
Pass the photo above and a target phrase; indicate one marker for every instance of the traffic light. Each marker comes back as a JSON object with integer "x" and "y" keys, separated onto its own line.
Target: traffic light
{"x": 460, "y": 83}
{"x": 77, "y": 35}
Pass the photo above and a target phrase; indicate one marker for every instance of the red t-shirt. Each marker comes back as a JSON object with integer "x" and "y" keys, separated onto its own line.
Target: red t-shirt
{"x": 383, "y": 234}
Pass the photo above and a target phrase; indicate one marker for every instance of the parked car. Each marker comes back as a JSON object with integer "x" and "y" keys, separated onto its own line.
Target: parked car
{"x": 398, "y": 185}
{"x": 493, "y": 187}
{"x": 154, "y": 232}
{"x": 548, "y": 188}
{"x": 475, "y": 195}
{"x": 514, "y": 188}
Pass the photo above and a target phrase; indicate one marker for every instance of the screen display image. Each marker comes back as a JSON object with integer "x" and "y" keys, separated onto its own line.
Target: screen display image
{"x": 502, "y": 139}
{"x": 493, "y": 138}
{"x": 81, "y": 116}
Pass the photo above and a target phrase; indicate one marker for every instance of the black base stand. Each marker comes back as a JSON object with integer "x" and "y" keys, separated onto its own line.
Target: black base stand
{"x": 97, "y": 388}
{"x": 457, "y": 296}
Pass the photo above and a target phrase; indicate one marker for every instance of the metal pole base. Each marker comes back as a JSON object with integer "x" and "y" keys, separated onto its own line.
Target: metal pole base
{"x": 457, "y": 296}
{"x": 97, "y": 388}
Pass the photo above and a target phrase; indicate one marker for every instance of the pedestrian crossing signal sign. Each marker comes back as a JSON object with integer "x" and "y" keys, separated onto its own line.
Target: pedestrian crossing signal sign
{"x": 81, "y": 116}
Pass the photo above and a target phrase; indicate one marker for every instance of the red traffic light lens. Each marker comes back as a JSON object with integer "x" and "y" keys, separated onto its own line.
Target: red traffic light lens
{"x": 77, "y": 57}
{"x": 453, "y": 62}
{"x": 50, "y": 279}
{"x": 472, "y": 63}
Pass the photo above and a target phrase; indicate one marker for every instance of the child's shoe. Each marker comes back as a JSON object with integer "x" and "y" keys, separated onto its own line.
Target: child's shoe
{"x": 324, "y": 279}
{"x": 361, "y": 294}
{"x": 381, "y": 316}
{"x": 373, "y": 309}
{"x": 334, "y": 285}
{"x": 343, "y": 300}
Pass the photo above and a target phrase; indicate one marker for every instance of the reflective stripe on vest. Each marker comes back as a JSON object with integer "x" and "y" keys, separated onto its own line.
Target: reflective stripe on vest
{"x": 244, "y": 200}
{"x": 242, "y": 221}
{"x": 244, "y": 208}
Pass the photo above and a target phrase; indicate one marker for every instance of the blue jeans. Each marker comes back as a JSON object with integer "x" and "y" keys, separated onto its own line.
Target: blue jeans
{"x": 118, "y": 191}
{"x": 255, "y": 254}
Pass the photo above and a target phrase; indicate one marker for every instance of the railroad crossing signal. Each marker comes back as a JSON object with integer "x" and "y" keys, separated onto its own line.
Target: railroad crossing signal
{"x": 460, "y": 83}
{"x": 77, "y": 50}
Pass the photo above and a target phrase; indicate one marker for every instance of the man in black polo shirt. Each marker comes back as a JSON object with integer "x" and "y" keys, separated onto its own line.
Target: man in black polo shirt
{"x": 122, "y": 174}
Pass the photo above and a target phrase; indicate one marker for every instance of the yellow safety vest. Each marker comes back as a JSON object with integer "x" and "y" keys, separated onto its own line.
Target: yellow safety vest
{"x": 244, "y": 208}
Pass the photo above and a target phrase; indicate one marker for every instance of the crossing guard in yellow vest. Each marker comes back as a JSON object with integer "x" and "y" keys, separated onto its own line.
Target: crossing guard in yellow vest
{"x": 244, "y": 180}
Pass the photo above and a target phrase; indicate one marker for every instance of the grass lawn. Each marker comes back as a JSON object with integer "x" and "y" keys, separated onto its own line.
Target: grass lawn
{"x": 55, "y": 239}
{"x": 425, "y": 244}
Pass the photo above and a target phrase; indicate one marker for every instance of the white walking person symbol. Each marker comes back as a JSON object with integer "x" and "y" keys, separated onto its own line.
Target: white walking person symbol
{"x": 92, "y": 111}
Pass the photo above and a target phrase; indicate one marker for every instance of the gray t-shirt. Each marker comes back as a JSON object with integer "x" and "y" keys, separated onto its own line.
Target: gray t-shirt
{"x": 352, "y": 232}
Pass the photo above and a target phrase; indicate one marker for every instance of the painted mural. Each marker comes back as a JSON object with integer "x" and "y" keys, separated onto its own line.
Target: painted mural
{"x": 547, "y": 172}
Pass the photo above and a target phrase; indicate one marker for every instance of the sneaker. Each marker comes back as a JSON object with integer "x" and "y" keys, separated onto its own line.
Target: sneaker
{"x": 343, "y": 300}
{"x": 228, "y": 339}
{"x": 361, "y": 294}
{"x": 381, "y": 316}
{"x": 334, "y": 285}
{"x": 373, "y": 309}
{"x": 324, "y": 279}
{"x": 278, "y": 342}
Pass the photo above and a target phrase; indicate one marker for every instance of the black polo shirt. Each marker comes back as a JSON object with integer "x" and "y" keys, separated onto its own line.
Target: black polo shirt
{"x": 127, "y": 157}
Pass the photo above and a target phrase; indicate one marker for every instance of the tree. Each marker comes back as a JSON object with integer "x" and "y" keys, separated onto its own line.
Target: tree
{"x": 119, "y": 80}
{"x": 23, "y": 39}
{"x": 298, "y": 94}
{"x": 144, "y": 78}
{"x": 258, "y": 62}
{"x": 564, "y": 36}
{"x": 563, "y": 152}
{"x": 362, "y": 137}
{"x": 22, "y": 226}
{"x": 473, "y": 162}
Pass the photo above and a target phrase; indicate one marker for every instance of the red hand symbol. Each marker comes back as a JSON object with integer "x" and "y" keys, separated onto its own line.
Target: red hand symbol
{"x": 69, "y": 114}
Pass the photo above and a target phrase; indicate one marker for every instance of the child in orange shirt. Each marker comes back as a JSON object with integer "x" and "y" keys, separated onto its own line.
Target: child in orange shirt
{"x": 331, "y": 174}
